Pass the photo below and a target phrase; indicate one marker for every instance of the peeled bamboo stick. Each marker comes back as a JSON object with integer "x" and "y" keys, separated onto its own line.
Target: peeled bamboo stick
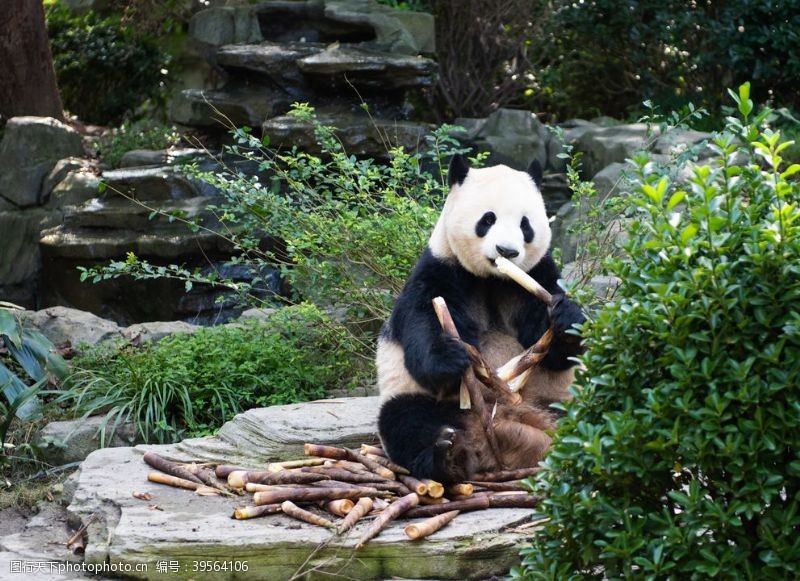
{"x": 174, "y": 481}
{"x": 362, "y": 507}
{"x": 375, "y": 450}
{"x": 339, "y": 507}
{"x": 465, "y": 395}
{"x": 435, "y": 489}
{"x": 289, "y": 464}
{"x": 169, "y": 467}
{"x": 386, "y": 463}
{"x": 238, "y": 478}
{"x": 394, "y": 510}
{"x": 517, "y": 370}
{"x": 291, "y": 509}
{"x": 489, "y": 377}
{"x": 469, "y": 379}
{"x": 474, "y": 502}
{"x": 246, "y": 512}
{"x": 312, "y": 494}
{"x": 413, "y": 484}
{"x": 523, "y": 279}
{"x": 426, "y": 528}
{"x": 462, "y": 489}
{"x": 506, "y": 475}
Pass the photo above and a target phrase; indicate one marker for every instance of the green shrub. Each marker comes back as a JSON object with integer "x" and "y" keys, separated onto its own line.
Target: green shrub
{"x": 189, "y": 384}
{"x": 680, "y": 455}
{"x": 104, "y": 69}
{"x": 605, "y": 57}
{"x": 143, "y": 134}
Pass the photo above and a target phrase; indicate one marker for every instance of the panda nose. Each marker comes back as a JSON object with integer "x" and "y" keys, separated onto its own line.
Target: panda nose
{"x": 507, "y": 252}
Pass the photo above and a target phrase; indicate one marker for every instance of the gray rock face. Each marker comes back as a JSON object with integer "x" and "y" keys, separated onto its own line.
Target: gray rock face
{"x": 225, "y": 25}
{"x": 515, "y": 138}
{"x": 61, "y": 324}
{"x": 603, "y": 146}
{"x": 20, "y": 258}
{"x": 191, "y": 528}
{"x": 234, "y": 105}
{"x": 154, "y": 184}
{"x": 71, "y": 441}
{"x": 157, "y": 330}
{"x": 30, "y": 148}
{"x": 359, "y": 134}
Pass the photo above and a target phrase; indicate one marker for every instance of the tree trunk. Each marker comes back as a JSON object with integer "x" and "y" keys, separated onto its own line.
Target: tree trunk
{"x": 28, "y": 85}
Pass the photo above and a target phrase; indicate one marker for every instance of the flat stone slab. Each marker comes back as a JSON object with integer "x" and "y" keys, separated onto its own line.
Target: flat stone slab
{"x": 188, "y": 531}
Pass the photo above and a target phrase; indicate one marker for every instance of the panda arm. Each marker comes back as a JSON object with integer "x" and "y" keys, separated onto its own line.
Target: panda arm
{"x": 563, "y": 314}
{"x": 435, "y": 361}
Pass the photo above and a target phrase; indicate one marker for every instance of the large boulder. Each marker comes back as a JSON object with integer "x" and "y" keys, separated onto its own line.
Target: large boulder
{"x": 70, "y": 441}
{"x": 62, "y": 324}
{"x": 225, "y": 25}
{"x": 513, "y": 137}
{"x": 188, "y": 528}
{"x": 602, "y": 146}
{"x": 30, "y": 148}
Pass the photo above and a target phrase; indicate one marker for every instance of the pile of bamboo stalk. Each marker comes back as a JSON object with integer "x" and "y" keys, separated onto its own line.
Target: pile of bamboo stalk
{"x": 336, "y": 487}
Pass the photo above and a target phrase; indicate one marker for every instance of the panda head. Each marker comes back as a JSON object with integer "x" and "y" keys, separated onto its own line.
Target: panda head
{"x": 491, "y": 212}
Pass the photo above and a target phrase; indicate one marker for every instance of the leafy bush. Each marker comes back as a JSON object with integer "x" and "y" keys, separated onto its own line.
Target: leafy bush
{"x": 104, "y": 69}
{"x": 28, "y": 363}
{"x": 189, "y": 384}
{"x": 606, "y": 57}
{"x": 680, "y": 456}
{"x": 349, "y": 230}
{"x": 143, "y": 134}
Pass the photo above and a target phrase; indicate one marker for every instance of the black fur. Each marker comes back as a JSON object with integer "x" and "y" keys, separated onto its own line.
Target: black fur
{"x": 414, "y": 430}
{"x": 457, "y": 172}
{"x": 535, "y": 171}
{"x": 483, "y": 225}
{"x": 410, "y": 425}
{"x": 527, "y": 229}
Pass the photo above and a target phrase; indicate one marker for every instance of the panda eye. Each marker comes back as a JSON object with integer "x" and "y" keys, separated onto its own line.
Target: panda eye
{"x": 486, "y": 222}
{"x": 527, "y": 230}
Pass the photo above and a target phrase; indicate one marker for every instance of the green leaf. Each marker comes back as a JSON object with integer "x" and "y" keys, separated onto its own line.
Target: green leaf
{"x": 675, "y": 199}
{"x": 791, "y": 170}
{"x": 18, "y": 394}
{"x": 9, "y": 328}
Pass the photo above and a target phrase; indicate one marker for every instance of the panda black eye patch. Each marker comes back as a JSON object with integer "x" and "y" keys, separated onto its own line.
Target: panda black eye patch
{"x": 527, "y": 230}
{"x": 486, "y": 222}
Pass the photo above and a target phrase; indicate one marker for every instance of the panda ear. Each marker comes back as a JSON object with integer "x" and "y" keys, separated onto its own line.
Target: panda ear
{"x": 535, "y": 171}
{"x": 457, "y": 172}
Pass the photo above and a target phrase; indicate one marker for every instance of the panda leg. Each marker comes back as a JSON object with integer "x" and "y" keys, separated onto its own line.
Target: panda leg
{"x": 426, "y": 436}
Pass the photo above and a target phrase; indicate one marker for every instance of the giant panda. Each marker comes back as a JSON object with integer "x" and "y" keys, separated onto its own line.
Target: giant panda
{"x": 489, "y": 212}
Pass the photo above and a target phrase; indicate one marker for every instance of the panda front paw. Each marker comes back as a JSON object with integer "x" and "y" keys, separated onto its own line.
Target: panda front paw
{"x": 564, "y": 314}
{"x": 449, "y": 359}
{"x": 452, "y": 460}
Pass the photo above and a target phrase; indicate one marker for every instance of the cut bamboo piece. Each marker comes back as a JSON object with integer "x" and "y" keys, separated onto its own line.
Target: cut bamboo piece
{"x": 449, "y": 327}
{"x": 523, "y": 279}
{"x": 513, "y": 500}
{"x": 340, "y": 507}
{"x": 362, "y": 507}
{"x": 375, "y": 450}
{"x": 506, "y": 475}
{"x": 474, "y": 502}
{"x": 174, "y": 481}
{"x": 428, "y": 527}
{"x": 169, "y": 467}
{"x": 246, "y": 512}
{"x": 291, "y": 509}
{"x": 485, "y": 416}
{"x": 413, "y": 484}
{"x": 325, "y": 451}
{"x": 345, "y": 475}
{"x": 500, "y": 486}
{"x": 238, "y": 478}
{"x": 394, "y": 510}
{"x": 435, "y": 489}
{"x": 429, "y": 500}
{"x": 462, "y": 489}
{"x": 223, "y": 470}
{"x": 371, "y": 464}
{"x": 312, "y": 494}
{"x": 386, "y": 463}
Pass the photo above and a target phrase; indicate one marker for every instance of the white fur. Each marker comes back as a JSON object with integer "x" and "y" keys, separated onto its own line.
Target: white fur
{"x": 511, "y": 195}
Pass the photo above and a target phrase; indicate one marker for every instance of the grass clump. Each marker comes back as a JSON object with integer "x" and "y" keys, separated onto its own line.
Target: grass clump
{"x": 680, "y": 455}
{"x": 189, "y": 384}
